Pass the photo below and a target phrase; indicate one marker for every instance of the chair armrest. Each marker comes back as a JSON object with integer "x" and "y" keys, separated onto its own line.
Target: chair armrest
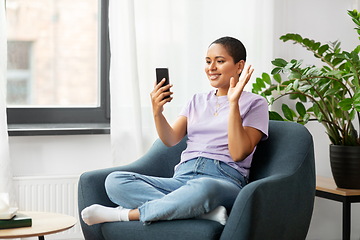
{"x": 278, "y": 202}
{"x": 272, "y": 208}
{"x": 158, "y": 161}
{"x": 91, "y": 190}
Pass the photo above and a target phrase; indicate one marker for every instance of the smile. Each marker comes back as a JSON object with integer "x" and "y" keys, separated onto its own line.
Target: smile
{"x": 214, "y": 76}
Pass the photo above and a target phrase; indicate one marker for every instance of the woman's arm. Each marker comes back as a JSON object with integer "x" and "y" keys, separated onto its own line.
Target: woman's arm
{"x": 169, "y": 135}
{"x": 242, "y": 140}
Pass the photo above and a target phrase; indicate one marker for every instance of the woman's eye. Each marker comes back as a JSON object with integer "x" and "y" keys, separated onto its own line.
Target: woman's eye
{"x": 220, "y": 61}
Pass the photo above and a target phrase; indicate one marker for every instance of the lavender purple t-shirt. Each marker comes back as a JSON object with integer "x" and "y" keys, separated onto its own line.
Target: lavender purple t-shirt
{"x": 208, "y": 134}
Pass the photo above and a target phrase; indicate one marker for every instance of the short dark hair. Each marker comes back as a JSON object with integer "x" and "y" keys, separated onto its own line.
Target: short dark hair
{"x": 234, "y": 47}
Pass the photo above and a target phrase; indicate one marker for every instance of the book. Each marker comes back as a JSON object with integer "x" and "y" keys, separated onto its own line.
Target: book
{"x": 20, "y": 220}
{"x": 8, "y": 214}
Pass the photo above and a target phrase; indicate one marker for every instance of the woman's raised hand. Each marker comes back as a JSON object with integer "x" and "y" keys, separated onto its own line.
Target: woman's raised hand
{"x": 236, "y": 88}
{"x": 158, "y": 95}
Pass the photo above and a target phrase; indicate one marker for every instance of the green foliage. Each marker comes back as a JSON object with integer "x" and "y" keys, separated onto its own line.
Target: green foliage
{"x": 331, "y": 93}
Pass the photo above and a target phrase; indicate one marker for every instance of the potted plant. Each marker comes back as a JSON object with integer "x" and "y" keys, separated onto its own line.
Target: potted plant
{"x": 329, "y": 94}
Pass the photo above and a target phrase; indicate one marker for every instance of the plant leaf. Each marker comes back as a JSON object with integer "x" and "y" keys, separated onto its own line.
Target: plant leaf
{"x": 336, "y": 73}
{"x": 298, "y": 38}
{"x": 279, "y": 62}
{"x": 300, "y": 108}
{"x": 266, "y": 78}
{"x": 271, "y": 100}
{"x": 355, "y": 81}
{"x": 330, "y": 92}
{"x": 288, "y": 88}
{"x": 260, "y": 82}
{"x": 353, "y": 114}
{"x": 302, "y": 98}
{"x": 337, "y": 61}
{"x": 296, "y": 84}
{"x": 315, "y": 109}
{"x": 346, "y": 104}
{"x": 328, "y": 57}
{"x": 316, "y": 46}
{"x": 294, "y": 75}
{"x": 306, "y": 118}
{"x": 320, "y": 117}
{"x": 256, "y": 88}
{"x": 357, "y": 49}
{"x": 356, "y": 96}
{"x": 287, "y": 37}
{"x": 293, "y": 96}
{"x": 304, "y": 88}
{"x": 357, "y": 105}
{"x": 277, "y": 78}
{"x": 276, "y": 70}
{"x": 323, "y": 49}
{"x": 309, "y": 43}
{"x": 287, "y": 112}
{"x": 275, "y": 116}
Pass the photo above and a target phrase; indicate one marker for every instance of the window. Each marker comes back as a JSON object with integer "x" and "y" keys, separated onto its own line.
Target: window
{"x": 58, "y": 62}
{"x": 19, "y": 73}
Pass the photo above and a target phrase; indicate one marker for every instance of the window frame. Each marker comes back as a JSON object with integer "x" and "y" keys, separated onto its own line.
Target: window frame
{"x": 76, "y": 115}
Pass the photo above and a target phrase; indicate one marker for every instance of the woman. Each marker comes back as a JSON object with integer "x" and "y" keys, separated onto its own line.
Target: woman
{"x": 223, "y": 127}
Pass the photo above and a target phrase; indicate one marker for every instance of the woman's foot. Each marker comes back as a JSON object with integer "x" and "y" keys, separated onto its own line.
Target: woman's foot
{"x": 99, "y": 214}
{"x": 219, "y": 214}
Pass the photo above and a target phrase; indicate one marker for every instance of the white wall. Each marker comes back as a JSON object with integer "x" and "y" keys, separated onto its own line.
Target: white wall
{"x": 59, "y": 155}
{"x": 324, "y": 21}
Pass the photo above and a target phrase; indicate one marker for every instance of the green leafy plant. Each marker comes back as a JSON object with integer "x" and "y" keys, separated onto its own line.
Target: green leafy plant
{"x": 330, "y": 94}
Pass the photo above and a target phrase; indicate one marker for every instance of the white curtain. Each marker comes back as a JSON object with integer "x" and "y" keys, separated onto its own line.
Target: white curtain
{"x": 175, "y": 34}
{"x": 6, "y": 182}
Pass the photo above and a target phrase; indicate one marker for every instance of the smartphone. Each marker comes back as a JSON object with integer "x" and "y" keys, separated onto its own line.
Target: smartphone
{"x": 160, "y": 74}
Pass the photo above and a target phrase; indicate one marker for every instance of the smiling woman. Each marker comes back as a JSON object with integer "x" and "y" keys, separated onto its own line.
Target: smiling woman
{"x": 221, "y": 66}
{"x": 215, "y": 165}
{"x": 177, "y": 38}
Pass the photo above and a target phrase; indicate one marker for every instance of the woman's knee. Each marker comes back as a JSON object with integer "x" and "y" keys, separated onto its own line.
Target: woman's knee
{"x": 114, "y": 182}
{"x": 207, "y": 187}
{"x": 214, "y": 192}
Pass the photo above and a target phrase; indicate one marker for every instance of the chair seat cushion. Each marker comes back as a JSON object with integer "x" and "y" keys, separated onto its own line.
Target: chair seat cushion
{"x": 193, "y": 229}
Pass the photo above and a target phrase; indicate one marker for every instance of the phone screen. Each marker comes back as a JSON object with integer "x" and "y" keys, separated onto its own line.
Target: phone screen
{"x": 162, "y": 73}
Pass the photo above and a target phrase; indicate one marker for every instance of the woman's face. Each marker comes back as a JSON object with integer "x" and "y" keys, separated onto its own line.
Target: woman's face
{"x": 220, "y": 67}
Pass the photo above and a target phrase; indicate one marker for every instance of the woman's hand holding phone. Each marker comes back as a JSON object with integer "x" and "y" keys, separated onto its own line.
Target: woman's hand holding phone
{"x": 169, "y": 135}
{"x": 160, "y": 95}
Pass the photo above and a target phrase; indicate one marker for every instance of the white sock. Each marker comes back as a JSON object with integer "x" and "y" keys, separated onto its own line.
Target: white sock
{"x": 219, "y": 214}
{"x": 99, "y": 214}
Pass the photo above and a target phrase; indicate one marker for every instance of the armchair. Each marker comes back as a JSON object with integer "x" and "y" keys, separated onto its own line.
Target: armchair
{"x": 276, "y": 204}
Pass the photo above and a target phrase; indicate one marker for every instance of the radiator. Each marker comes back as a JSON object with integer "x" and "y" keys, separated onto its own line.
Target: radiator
{"x": 56, "y": 194}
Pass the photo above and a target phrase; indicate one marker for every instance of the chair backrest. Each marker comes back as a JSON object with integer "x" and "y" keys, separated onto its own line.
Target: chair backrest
{"x": 283, "y": 152}
{"x": 286, "y": 140}
{"x": 160, "y": 160}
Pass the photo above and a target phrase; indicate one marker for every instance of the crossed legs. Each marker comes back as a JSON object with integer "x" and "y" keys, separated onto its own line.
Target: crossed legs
{"x": 147, "y": 198}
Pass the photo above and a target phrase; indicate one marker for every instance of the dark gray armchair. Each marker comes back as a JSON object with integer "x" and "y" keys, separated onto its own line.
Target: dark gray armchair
{"x": 277, "y": 203}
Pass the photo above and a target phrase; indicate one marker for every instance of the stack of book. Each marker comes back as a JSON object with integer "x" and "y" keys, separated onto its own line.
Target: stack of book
{"x": 14, "y": 220}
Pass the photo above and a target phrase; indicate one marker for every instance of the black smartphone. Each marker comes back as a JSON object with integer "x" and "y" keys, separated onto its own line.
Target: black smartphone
{"x": 160, "y": 74}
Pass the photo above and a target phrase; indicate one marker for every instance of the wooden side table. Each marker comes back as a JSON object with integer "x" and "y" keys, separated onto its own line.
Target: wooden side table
{"x": 43, "y": 223}
{"x": 326, "y": 188}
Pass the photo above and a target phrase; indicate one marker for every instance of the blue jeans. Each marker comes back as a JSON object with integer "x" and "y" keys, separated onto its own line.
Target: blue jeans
{"x": 197, "y": 187}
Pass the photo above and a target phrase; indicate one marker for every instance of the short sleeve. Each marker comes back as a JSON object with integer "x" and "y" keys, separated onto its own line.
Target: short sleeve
{"x": 186, "y": 109}
{"x": 256, "y": 113}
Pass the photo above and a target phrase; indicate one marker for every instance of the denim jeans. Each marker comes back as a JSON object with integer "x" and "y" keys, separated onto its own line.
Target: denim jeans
{"x": 197, "y": 187}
